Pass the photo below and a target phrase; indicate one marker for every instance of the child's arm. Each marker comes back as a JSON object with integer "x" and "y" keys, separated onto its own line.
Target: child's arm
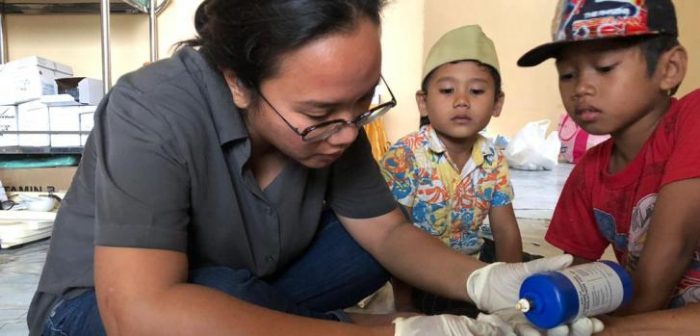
{"x": 672, "y": 238}
{"x": 682, "y": 321}
{"x": 506, "y": 234}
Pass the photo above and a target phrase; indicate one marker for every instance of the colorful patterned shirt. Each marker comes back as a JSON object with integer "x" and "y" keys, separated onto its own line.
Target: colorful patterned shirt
{"x": 445, "y": 202}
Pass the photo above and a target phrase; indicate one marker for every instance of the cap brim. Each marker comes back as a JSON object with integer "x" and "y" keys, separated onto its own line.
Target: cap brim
{"x": 549, "y": 50}
{"x": 541, "y": 53}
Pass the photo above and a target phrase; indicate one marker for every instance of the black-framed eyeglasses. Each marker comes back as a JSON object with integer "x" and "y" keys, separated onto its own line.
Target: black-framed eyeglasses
{"x": 324, "y": 130}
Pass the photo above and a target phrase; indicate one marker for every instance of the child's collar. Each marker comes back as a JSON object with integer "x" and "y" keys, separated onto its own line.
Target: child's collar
{"x": 483, "y": 149}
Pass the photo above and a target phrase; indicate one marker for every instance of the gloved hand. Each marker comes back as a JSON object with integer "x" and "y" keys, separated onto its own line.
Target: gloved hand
{"x": 513, "y": 318}
{"x": 448, "y": 325}
{"x": 497, "y": 286}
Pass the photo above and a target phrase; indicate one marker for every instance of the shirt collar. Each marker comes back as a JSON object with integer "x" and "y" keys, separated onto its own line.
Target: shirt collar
{"x": 483, "y": 150}
{"x": 228, "y": 119}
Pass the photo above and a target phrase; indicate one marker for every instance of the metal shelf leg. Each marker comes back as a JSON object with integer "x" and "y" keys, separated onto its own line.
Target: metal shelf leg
{"x": 3, "y": 41}
{"x": 153, "y": 29}
{"x": 106, "y": 52}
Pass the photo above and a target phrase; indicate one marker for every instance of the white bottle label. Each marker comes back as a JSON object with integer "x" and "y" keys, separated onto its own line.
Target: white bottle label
{"x": 598, "y": 286}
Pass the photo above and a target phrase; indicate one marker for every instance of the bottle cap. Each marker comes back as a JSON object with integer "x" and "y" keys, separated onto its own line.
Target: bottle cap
{"x": 523, "y": 305}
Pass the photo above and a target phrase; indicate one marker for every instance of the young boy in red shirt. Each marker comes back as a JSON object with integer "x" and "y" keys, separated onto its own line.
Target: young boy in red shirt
{"x": 619, "y": 63}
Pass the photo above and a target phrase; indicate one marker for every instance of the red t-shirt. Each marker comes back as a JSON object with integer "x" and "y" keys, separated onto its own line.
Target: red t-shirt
{"x": 596, "y": 208}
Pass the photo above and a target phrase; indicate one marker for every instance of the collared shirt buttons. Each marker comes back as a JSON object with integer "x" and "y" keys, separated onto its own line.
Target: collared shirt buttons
{"x": 269, "y": 259}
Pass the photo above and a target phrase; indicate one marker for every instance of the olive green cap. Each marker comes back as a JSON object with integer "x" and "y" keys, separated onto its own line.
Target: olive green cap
{"x": 462, "y": 44}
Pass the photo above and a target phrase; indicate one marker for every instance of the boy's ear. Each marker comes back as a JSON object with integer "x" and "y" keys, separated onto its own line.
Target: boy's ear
{"x": 241, "y": 93}
{"x": 422, "y": 104}
{"x": 499, "y": 104}
{"x": 672, "y": 68}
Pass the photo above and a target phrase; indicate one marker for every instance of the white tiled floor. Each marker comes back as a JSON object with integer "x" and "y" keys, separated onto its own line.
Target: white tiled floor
{"x": 19, "y": 274}
{"x": 535, "y": 196}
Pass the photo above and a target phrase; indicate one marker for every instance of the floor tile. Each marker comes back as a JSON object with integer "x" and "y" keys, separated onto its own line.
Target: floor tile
{"x": 14, "y": 328}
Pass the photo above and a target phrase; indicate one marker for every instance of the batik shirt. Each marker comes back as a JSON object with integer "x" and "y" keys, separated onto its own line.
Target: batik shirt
{"x": 448, "y": 203}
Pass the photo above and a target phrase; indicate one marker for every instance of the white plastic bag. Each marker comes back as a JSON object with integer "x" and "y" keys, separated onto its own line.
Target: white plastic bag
{"x": 532, "y": 149}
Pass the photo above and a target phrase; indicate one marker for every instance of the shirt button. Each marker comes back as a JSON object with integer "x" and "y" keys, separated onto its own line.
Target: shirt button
{"x": 268, "y": 211}
{"x": 270, "y": 259}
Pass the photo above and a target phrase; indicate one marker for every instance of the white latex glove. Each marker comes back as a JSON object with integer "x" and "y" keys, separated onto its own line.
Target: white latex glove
{"x": 497, "y": 286}
{"x": 584, "y": 326}
{"x": 448, "y": 325}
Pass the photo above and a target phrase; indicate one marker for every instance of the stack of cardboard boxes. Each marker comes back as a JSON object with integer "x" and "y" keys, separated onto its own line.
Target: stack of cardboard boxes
{"x": 43, "y": 107}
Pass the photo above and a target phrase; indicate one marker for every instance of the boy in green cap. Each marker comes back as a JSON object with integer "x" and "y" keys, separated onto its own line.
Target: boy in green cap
{"x": 619, "y": 64}
{"x": 447, "y": 176}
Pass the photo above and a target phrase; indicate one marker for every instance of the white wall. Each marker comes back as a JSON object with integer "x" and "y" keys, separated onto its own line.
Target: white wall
{"x": 402, "y": 44}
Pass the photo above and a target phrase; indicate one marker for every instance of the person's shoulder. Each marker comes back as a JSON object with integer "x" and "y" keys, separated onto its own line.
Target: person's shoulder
{"x": 692, "y": 96}
{"x": 406, "y": 148}
{"x": 690, "y": 101}
{"x": 176, "y": 76}
{"x": 166, "y": 97}
{"x": 174, "y": 86}
{"x": 683, "y": 112}
{"x": 413, "y": 140}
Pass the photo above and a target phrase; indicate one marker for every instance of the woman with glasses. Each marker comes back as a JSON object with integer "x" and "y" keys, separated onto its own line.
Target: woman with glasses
{"x": 229, "y": 190}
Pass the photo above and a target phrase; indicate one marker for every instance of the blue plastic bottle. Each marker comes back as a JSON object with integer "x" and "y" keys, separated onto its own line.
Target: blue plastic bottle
{"x": 552, "y": 298}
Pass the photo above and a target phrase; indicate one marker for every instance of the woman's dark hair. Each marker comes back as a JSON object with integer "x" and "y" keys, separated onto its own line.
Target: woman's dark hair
{"x": 249, "y": 36}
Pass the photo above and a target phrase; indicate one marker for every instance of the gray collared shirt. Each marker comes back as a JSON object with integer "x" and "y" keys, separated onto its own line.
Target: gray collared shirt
{"x": 166, "y": 168}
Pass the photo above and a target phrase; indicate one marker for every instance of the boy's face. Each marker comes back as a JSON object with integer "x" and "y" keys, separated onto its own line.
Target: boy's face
{"x": 460, "y": 100}
{"x": 605, "y": 87}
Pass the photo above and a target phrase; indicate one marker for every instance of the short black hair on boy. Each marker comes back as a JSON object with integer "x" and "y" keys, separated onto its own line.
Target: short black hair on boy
{"x": 654, "y": 47}
{"x": 494, "y": 73}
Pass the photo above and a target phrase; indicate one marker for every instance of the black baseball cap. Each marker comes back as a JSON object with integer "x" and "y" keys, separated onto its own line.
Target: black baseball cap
{"x": 585, "y": 20}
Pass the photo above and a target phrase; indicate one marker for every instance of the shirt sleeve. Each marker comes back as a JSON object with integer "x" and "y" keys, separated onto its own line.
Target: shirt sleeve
{"x": 503, "y": 189}
{"x": 398, "y": 168}
{"x": 356, "y": 187}
{"x": 684, "y": 160}
{"x": 141, "y": 182}
{"x": 573, "y": 227}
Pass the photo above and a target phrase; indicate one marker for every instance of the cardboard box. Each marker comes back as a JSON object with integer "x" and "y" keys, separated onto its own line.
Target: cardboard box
{"x": 33, "y": 116}
{"x": 83, "y": 90}
{"x": 29, "y": 78}
{"x": 41, "y": 62}
{"x": 87, "y": 122}
{"x": 40, "y": 117}
{"x": 8, "y": 122}
{"x": 68, "y": 118}
{"x": 37, "y": 179}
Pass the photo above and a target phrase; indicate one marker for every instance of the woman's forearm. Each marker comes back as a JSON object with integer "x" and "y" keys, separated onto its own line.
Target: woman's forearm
{"x": 443, "y": 271}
